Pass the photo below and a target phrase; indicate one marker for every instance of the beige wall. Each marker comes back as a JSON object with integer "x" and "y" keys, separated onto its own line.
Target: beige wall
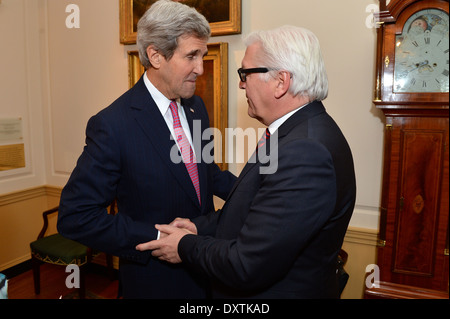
{"x": 21, "y": 221}
{"x": 20, "y": 91}
{"x": 55, "y": 78}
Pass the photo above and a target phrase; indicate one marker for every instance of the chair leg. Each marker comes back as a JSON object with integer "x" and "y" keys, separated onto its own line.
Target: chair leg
{"x": 82, "y": 289}
{"x": 36, "y": 264}
{"x": 109, "y": 265}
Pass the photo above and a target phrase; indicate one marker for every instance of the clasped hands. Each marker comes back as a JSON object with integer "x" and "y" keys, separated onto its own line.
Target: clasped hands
{"x": 166, "y": 247}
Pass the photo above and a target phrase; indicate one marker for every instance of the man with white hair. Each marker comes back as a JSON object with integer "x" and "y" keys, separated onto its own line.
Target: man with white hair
{"x": 278, "y": 235}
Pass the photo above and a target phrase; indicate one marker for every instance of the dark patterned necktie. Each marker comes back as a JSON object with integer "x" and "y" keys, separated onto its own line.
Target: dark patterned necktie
{"x": 263, "y": 139}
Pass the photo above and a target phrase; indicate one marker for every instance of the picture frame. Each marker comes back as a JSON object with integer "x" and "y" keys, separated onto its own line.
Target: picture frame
{"x": 212, "y": 87}
{"x": 224, "y": 16}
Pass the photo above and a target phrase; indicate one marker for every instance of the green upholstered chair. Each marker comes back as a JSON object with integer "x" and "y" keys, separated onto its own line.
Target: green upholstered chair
{"x": 58, "y": 250}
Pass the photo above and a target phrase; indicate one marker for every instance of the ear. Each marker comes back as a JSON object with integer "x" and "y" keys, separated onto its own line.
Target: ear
{"x": 154, "y": 57}
{"x": 283, "y": 83}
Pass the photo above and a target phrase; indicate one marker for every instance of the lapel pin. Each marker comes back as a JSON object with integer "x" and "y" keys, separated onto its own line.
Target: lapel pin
{"x": 192, "y": 110}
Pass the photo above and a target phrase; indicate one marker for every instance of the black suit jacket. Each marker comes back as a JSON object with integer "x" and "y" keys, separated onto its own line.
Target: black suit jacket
{"x": 279, "y": 234}
{"x": 127, "y": 157}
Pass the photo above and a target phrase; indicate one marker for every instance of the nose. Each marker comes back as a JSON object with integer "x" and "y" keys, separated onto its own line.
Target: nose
{"x": 199, "y": 67}
{"x": 241, "y": 85}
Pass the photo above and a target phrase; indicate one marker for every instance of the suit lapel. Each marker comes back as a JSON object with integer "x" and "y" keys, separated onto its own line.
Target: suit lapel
{"x": 302, "y": 115}
{"x": 256, "y": 162}
{"x": 247, "y": 168}
{"x": 149, "y": 119}
{"x": 312, "y": 109}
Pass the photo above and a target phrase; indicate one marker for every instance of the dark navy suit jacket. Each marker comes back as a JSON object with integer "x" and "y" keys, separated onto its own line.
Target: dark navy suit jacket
{"x": 127, "y": 157}
{"x": 279, "y": 234}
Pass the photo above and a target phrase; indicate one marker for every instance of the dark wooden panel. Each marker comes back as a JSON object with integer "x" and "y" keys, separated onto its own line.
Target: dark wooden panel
{"x": 421, "y": 155}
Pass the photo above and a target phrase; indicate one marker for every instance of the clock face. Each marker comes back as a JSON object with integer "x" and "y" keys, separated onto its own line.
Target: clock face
{"x": 422, "y": 53}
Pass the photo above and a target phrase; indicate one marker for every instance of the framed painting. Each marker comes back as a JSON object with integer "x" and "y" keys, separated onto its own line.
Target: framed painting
{"x": 224, "y": 16}
{"x": 212, "y": 87}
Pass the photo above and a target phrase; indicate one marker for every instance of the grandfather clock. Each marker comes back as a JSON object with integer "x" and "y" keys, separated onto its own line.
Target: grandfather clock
{"x": 412, "y": 90}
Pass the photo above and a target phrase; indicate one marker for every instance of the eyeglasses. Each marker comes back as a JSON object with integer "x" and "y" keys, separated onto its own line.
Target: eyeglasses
{"x": 243, "y": 72}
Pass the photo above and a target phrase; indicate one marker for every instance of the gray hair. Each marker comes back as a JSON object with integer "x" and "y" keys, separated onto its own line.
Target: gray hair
{"x": 296, "y": 50}
{"x": 164, "y": 23}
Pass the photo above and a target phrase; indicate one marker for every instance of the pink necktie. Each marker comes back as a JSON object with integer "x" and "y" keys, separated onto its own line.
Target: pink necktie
{"x": 186, "y": 150}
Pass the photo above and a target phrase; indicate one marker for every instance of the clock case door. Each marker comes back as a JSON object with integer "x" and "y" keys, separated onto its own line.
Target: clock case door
{"x": 413, "y": 230}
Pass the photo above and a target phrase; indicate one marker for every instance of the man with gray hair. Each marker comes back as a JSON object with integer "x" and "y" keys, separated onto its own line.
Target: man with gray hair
{"x": 127, "y": 157}
{"x": 278, "y": 235}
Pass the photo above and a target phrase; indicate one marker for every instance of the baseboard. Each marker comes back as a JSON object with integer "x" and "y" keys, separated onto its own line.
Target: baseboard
{"x": 14, "y": 263}
{"x": 18, "y": 269}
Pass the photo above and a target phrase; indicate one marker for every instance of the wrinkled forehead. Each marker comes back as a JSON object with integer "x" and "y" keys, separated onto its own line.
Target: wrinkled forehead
{"x": 191, "y": 43}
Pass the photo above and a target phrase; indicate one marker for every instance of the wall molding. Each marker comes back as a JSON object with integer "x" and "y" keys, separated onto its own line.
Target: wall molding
{"x": 356, "y": 235}
{"x": 22, "y": 195}
{"x": 361, "y": 236}
{"x": 30, "y": 193}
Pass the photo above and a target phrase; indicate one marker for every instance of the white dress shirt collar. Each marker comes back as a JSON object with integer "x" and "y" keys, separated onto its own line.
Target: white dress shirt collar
{"x": 163, "y": 104}
{"x": 160, "y": 99}
{"x": 277, "y": 123}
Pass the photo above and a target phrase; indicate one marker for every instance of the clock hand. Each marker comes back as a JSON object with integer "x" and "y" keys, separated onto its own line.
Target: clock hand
{"x": 427, "y": 67}
{"x": 419, "y": 65}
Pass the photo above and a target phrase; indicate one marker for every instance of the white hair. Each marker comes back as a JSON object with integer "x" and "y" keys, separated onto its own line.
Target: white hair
{"x": 296, "y": 50}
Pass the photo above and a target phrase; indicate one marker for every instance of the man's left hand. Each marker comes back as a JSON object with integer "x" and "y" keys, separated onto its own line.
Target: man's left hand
{"x": 166, "y": 248}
